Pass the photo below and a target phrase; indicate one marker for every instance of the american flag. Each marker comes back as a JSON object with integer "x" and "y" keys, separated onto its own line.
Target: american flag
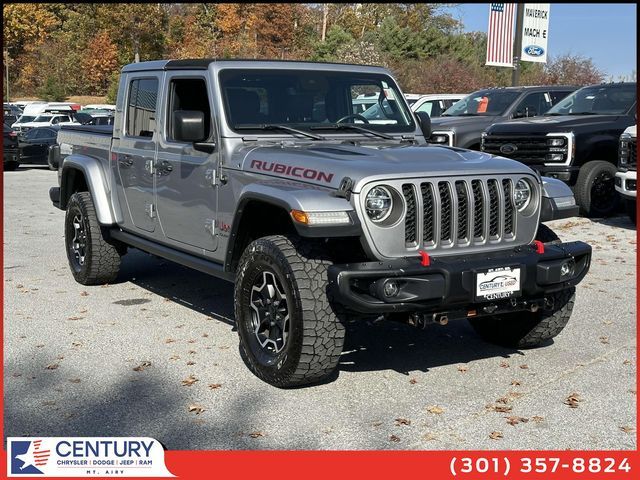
{"x": 500, "y": 36}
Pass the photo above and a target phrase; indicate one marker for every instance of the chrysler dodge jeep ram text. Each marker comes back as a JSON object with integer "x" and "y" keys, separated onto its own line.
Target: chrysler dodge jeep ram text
{"x": 575, "y": 141}
{"x": 260, "y": 173}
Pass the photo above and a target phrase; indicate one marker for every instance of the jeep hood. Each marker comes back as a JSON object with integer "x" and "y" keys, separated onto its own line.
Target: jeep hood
{"x": 546, "y": 124}
{"x": 327, "y": 164}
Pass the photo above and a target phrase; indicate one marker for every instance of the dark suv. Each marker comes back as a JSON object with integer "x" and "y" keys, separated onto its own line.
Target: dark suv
{"x": 575, "y": 141}
{"x": 462, "y": 124}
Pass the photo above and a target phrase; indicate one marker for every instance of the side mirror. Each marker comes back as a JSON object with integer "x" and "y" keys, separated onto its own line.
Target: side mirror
{"x": 425, "y": 124}
{"x": 53, "y": 159}
{"x": 188, "y": 126}
{"x": 518, "y": 114}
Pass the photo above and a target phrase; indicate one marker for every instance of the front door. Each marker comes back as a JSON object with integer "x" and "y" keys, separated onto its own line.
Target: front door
{"x": 135, "y": 152}
{"x": 186, "y": 194}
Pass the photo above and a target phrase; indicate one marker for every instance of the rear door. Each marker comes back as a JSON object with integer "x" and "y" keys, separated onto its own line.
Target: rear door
{"x": 135, "y": 151}
{"x": 186, "y": 194}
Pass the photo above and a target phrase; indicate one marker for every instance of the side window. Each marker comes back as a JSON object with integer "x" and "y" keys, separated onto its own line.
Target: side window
{"x": 141, "y": 107}
{"x": 31, "y": 134}
{"x": 43, "y": 133}
{"x": 558, "y": 95}
{"x": 188, "y": 94}
{"x": 55, "y": 120}
{"x": 426, "y": 107}
{"x": 534, "y": 104}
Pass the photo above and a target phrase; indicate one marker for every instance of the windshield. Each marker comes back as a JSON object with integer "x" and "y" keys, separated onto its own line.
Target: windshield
{"x": 26, "y": 118}
{"x": 312, "y": 100}
{"x": 483, "y": 102}
{"x": 43, "y": 118}
{"x": 597, "y": 100}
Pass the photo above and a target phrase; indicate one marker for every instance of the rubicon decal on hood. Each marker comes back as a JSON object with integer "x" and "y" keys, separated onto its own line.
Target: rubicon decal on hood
{"x": 292, "y": 171}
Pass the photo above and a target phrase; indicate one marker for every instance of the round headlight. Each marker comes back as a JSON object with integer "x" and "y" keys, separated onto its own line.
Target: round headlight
{"x": 378, "y": 204}
{"x": 522, "y": 194}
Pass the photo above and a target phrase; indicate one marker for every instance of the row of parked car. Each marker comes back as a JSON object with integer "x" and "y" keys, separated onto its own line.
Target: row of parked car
{"x": 564, "y": 132}
{"x": 30, "y": 128}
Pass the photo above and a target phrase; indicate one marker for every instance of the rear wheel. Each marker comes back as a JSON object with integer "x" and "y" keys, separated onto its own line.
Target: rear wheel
{"x": 93, "y": 260}
{"x": 289, "y": 332}
{"x": 595, "y": 189}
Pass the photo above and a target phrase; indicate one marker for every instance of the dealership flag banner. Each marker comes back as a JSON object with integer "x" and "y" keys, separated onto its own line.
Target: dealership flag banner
{"x": 535, "y": 32}
{"x": 500, "y": 34}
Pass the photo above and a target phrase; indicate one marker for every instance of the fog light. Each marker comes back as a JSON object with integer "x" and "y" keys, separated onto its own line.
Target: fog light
{"x": 566, "y": 269}
{"x": 390, "y": 288}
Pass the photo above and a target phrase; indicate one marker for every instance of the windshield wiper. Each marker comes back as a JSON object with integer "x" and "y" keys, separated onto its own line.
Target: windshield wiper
{"x": 553, "y": 114}
{"x": 350, "y": 126}
{"x": 273, "y": 126}
{"x": 590, "y": 113}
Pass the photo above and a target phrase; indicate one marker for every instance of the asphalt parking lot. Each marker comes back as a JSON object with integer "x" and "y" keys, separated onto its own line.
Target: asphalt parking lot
{"x": 143, "y": 356}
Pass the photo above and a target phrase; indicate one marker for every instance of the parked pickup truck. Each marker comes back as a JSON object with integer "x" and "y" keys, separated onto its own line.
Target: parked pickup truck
{"x": 627, "y": 168}
{"x": 259, "y": 173}
{"x": 462, "y": 124}
{"x": 575, "y": 141}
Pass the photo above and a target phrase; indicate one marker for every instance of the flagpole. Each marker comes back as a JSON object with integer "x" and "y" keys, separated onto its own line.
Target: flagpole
{"x": 517, "y": 45}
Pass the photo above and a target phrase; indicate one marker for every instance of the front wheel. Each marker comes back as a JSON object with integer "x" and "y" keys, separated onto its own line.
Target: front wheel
{"x": 528, "y": 329}
{"x": 595, "y": 189}
{"x": 93, "y": 260}
{"x": 289, "y": 332}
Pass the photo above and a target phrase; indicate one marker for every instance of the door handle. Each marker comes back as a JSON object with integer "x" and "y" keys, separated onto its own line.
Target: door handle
{"x": 164, "y": 168}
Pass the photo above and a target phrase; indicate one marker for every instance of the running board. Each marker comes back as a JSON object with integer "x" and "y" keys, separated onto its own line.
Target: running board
{"x": 177, "y": 256}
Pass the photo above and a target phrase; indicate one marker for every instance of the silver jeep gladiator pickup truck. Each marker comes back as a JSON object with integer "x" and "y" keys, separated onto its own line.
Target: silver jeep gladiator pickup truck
{"x": 260, "y": 173}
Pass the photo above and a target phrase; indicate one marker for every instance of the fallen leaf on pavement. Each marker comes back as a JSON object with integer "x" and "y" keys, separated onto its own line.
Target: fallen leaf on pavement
{"x": 516, "y": 420}
{"x": 462, "y": 368}
{"x": 435, "y": 409}
{"x": 429, "y": 436}
{"x": 394, "y": 438}
{"x": 516, "y": 383}
{"x": 52, "y": 366}
{"x": 495, "y": 435}
{"x": 191, "y": 362}
{"x": 190, "y": 380}
{"x": 402, "y": 421}
{"x": 627, "y": 429}
{"x": 537, "y": 418}
{"x": 604, "y": 340}
{"x": 502, "y": 400}
{"x": 572, "y": 400}
{"x": 142, "y": 366}
{"x": 213, "y": 386}
{"x": 256, "y": 434}
{"x": 524, "y": 367}
{"x": 504, "y": 364}
{"x": 194, "y": 407}
{"x": 84, "y": 294}
{"x": 74, "y": 380}
{"x": 413, "y": 381}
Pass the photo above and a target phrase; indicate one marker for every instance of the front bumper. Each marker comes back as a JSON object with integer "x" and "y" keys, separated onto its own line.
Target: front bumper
{"x": 448, "y": 282}
{"x": 11, "y": 155}
{"x": 626, "y": 183}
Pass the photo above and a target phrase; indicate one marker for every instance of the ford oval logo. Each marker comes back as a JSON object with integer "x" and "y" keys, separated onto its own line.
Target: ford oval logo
{"x": 508, "y": 148}
{"x": 534, "y": 50}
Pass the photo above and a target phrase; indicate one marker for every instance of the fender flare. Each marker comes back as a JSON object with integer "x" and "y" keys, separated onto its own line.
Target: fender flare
{"x": 96, "y": 181}
{"x": 557, "y": 200}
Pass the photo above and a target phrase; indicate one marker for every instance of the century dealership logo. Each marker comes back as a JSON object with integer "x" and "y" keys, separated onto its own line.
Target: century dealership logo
{"x": 86, "y": 457}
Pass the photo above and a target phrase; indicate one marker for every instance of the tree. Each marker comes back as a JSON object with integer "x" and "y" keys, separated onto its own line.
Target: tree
{"x": 336, "y": 38}
{"x": 52, "y": 90}
{"x": 99, "y": 62}
{"x": 114, "y": 83}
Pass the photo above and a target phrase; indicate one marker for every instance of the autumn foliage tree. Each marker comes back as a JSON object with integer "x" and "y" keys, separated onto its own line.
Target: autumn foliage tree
{"x": 99, "y": 62}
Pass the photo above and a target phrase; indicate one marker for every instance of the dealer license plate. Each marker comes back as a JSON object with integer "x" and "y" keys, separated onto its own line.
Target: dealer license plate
{"x": 497, "y": 283}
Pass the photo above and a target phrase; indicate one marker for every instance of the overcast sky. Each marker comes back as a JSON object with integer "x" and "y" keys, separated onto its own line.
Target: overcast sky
{"x": 605, "y": 32}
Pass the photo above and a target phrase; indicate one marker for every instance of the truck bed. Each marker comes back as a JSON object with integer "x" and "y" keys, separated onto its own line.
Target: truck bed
{"x": 98, "y": 129}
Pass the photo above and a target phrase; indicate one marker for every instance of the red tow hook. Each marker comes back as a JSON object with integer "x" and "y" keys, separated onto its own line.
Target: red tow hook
{"x": 539, "y": 246}
{"x": 425, "y": 259}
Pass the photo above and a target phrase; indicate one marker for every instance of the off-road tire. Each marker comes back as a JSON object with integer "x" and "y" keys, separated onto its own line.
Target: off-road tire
{"x": 316, "y": 332}
{"x": 102, "y": 256}
{"x": 589, "y": 172}
{"x": 528, "y": 329}
{"x": 11, "y": 166}
{"x": 547, "y": 236}
{"x": 631, "y": 208}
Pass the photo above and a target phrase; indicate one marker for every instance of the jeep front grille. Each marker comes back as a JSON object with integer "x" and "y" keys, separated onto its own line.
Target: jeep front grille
{"x": 463, "y": 213}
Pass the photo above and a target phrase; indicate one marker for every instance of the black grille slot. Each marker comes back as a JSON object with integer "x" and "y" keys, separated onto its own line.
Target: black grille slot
{"x": 508, "y": 207}
{"x": 478, "y": 209}
{"x": 445, "y": 211}
{"x": 494, "y": 208}
{"x": 463, "y": 210}
{"x": 428, "y": 206}
{"x": 411, "y": 218}
{"x": 528, "y": 149}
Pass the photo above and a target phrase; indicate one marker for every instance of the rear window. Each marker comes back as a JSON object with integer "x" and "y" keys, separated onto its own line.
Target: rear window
{"x": 141, "y": 107}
